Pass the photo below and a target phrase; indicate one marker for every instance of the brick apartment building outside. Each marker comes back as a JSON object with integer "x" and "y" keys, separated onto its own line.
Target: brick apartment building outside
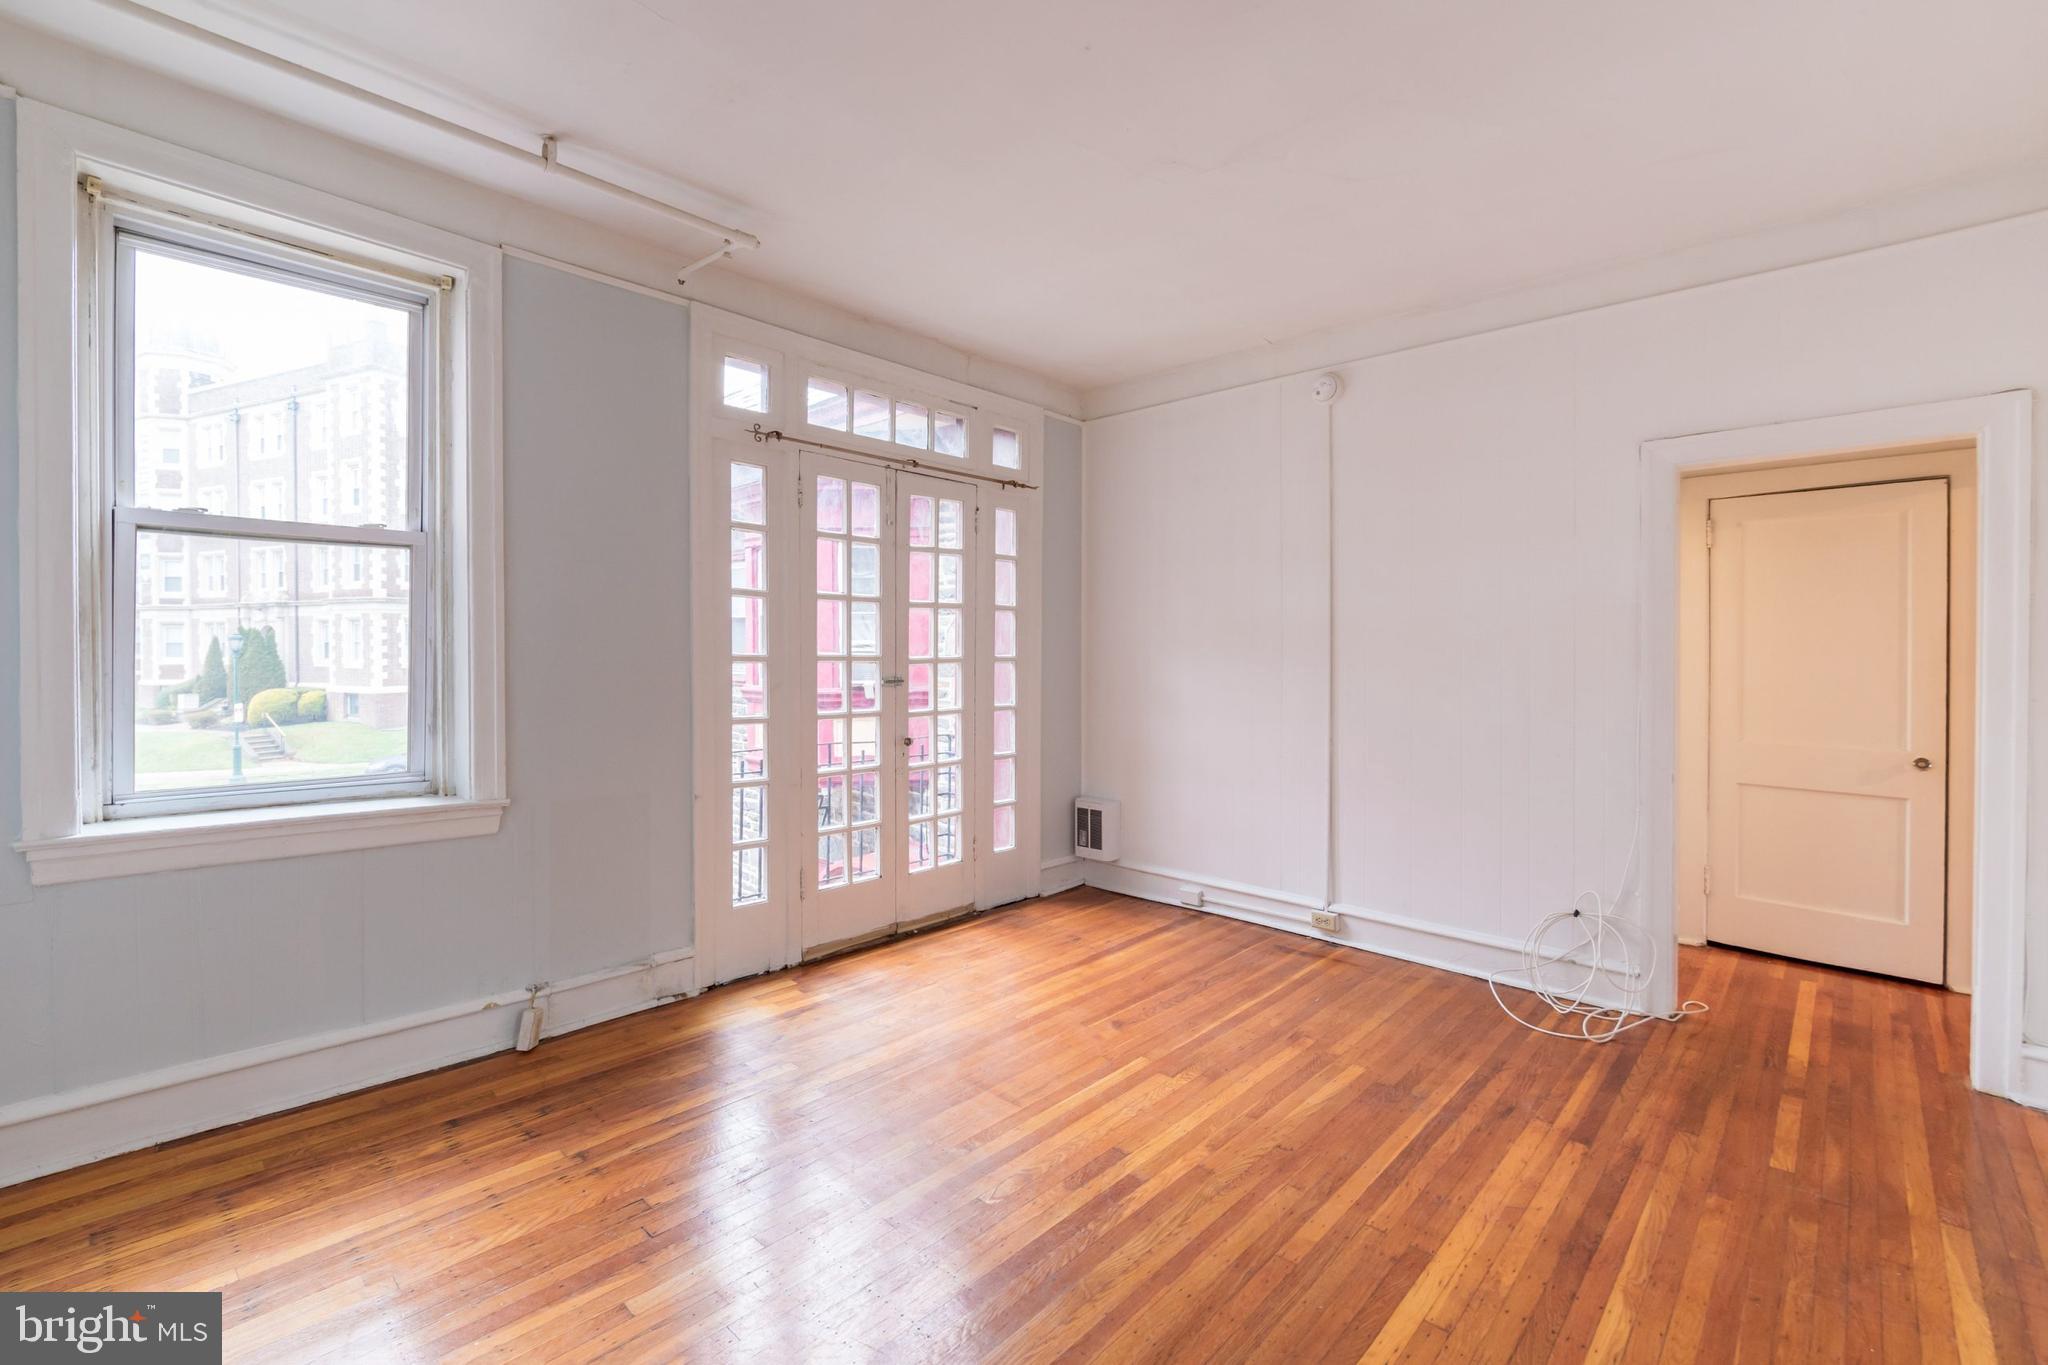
{"x": 323, "y": 443}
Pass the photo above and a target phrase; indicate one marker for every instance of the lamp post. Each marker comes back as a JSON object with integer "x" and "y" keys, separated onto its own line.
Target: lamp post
{"x": 235, "y": 643}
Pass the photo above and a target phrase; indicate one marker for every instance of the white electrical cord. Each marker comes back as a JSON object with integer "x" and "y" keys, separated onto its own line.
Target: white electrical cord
{"x": 1568, "y": 954}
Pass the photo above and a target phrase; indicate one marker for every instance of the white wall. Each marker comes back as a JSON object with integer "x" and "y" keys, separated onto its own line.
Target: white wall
{"x": 1484, "y": 569}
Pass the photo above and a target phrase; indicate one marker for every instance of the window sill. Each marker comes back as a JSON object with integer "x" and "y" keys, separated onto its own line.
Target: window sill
{"x": 170, "y": 843}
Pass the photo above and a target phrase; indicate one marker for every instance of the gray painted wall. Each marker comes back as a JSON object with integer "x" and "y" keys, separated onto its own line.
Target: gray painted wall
{"x": 102, "y": 980}
{"x": 1061, "y": 773}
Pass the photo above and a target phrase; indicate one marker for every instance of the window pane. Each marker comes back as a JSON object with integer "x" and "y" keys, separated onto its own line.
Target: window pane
{"x": 867, "y": 854}
{"x": 1006, "y": 779}
{"x": 749, "y": 814}
{"x": 1009, "y": 452}
{"x": 296, "y": 399}
{"x": 749, "y": 624}
{"x": 1006, "y": 582}
{"x": 920, "y": 575}
{"x": 949, "y": 632}
{"x": 867, "y": 629}
{"x": 322, "y": 674}
{"x": 825, "y": 404}
{"x": 831, "y": 744}
{"x": 867, "y": 510}
{"x": 948, "y": 692}
{"x": 919, "y": 687}
{"x": 749, "y": 752}
{"x": 867, "y": 568}
{"x": 832, "y": 860}
{"x": 1006, "y": 828}
{"x": 1006, "y": 635}
{"x": 746, "y": 384}
{"x": 866, "y": 798}
{"x": 871, "y": 415}
{"x": 749, "y": 875}
{"x": 749, "y": 690}
{"x": 1006, "y": 684}
{"x": 831, "y": 687}
{"x": 832, "y": 802}
{"x": 749, "y": 495}
{"x": 910, "y": 425}
{"x": 865, "y": 748}
{"x": 952, "y": 524}
{"x": 1006, "y": 732}
{"x": 949, "y": 578}
{"x": 949, "y": 434}
{"x": 832, "y": 505}
{"x": 867, "y": 687}
{"x": 923, "y": 516}
{"x": 1006, "y": 531}
{"x": 749, "y": 560}
{"x": 831, "y": 564}
{"x": 831, "y": 627}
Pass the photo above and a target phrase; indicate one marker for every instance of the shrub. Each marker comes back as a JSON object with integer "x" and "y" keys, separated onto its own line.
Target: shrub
{"x": 261, "y": 668}
{"x": 312, "y": 705}
{"x": 168, "y": 696}
{"x": 212, "y": 682}
{"x": 280, "y": 704}
{"x": 161, "y": 715}
{"x": 203, "y": 719}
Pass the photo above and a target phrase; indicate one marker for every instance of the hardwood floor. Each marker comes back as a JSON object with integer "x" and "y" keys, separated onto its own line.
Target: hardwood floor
{"x": 1096, "y": 1128}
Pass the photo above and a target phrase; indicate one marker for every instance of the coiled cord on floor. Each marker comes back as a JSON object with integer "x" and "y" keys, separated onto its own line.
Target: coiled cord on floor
{"x": 1569, "y": 955}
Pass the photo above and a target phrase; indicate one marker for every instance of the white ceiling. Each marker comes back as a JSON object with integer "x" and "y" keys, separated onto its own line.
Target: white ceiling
{"x": 1095, "y": 190}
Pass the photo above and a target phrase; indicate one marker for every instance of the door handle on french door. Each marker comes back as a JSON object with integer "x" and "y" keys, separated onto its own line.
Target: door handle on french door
{"x": 892, "y": 682}
{"x": 1923, "y": 764}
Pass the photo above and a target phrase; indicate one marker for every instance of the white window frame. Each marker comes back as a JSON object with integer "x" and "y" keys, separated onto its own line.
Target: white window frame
{"x": 71, "y": 168}
{"x": 122, "y": 228}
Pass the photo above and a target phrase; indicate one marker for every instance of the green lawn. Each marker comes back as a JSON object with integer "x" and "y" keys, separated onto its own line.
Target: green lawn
{"x": 177, "y": 749}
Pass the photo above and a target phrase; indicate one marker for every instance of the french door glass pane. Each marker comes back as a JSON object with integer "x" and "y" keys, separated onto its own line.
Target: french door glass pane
{"x": 847, "y": 585}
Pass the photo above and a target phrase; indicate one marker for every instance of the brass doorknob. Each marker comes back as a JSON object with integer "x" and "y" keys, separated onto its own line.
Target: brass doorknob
{"x": 1923, "y": 764}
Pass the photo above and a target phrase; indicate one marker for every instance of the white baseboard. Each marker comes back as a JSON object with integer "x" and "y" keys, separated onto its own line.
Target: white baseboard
{"x": 1465, "y": 951}
{"x": 56, "y": 1132}
{"x": 1060, "y": 874}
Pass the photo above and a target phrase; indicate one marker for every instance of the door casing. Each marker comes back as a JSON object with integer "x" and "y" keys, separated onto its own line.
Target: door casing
{"x": 1955, "y": 461}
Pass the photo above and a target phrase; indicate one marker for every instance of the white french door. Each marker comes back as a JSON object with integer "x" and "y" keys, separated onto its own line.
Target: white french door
{"x": 885, "y": 776}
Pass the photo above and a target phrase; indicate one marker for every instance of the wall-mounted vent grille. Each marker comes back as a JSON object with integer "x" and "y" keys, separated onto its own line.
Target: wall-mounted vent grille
{"x": 1095, "y": 828}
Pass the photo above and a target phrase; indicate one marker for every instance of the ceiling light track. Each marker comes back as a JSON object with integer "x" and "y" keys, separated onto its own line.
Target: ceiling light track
{"x": 731, "y": 239}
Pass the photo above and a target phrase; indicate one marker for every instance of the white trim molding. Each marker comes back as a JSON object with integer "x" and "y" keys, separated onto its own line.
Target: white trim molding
{"x": 1467, "y": 952}
{"x": 169, "y": 843}
{"x": 2001, "y": 427}
{"x": 1060, "y": 874}
{"x": 56, "y": 1132}
{"x": 64, "y": 571}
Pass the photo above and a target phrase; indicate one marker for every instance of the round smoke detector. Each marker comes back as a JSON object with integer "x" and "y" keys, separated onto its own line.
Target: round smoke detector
{"x": 1327, "y": 387}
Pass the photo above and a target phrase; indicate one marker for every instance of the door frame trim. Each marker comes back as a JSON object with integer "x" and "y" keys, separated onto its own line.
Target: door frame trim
{"x": 1954, "y": 463}
{"x": 2001, "y": 427}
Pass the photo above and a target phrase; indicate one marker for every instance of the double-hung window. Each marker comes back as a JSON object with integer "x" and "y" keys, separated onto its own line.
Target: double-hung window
{"x": 268, "y": 328}
{"x": 195, "y": 523}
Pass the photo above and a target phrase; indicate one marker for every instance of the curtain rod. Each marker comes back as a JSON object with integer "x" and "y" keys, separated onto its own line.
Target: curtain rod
{"x": 938, "y": 470}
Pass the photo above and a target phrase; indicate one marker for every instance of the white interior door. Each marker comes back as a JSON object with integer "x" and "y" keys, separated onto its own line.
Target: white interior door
{"x": 1828, "y": 714}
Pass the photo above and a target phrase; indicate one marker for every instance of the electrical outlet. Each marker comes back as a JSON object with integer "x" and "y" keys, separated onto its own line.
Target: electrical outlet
{"x": 1191, "y": 896}
{"x": 1329, "y": 921}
